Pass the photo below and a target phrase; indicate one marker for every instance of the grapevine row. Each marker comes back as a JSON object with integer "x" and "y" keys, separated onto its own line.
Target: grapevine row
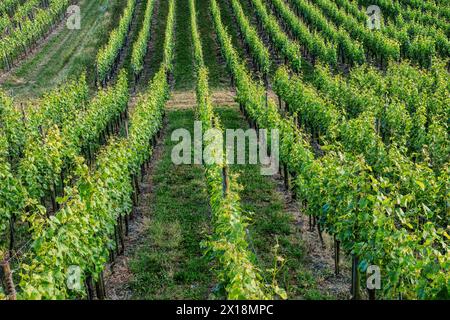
{"x": 140, "y": 47}
{"x": 256, "y": 46}
{"x": 411, "y": 105}
{"x": 418, "y": 42}
{"x": 228, "y": 244}
{"x": 341, "y": 191}
{"x": 94, "y": 208}
{"x": 23, "y": 12}
{"x": 359, "y": 136}
{"x": 21, "y": 41}
{"x": 352, "y": 8}
{"x": 168, "y": 54}
{"x": 325, "y": 117}
{"x": 12, "y": 194}
{"x": 347, "y": 47}
{"x": 410, "y": 132}
{"x": 12, "y": 123}
{"x": 312, "y": 42}
{"x": 109, "y": 54}
{"x": 50, "y": 154}
{"x": 55, "y": 108}
{"x": 8, "y": 6}
{"x": 373, "y": 40}
{"x": 198, "y": 50}
{"x": 92, "y": 216}
{"x": 426, "y": 10}
{"x": 48, "y": 157}
{"x": 289, "y": 49}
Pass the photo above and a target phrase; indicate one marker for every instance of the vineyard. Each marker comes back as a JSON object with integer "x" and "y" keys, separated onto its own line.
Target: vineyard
{"x": 351, "y": 97}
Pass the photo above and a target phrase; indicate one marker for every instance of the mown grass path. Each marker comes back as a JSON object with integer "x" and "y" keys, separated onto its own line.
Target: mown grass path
{"x": 170, "y": 263}
{"x": 183, "y": 67}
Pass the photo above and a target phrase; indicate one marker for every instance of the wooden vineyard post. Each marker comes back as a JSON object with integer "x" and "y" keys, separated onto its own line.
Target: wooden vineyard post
{"x": 116, "y": 239}
{"x": 121, "y": 234}
{"x": 100, "y": 287}
{"x": 136, "y": 190}
{"x": 142, "y": 173}
{"x": 319, "y": 231}
{"x": 337, "y": 249}
{"x": 111, "y": 256}
{"x": 356, "y": 294}
{"x": 8, "y": 278}
{"x": 267, "y": 98}
{"x": 134, "y": 197}
{"x": 136, "y": 181}
{"x": 89, "y": 287}
{"x": 286, "y": 176}
{"x": 127, "y": 226}
{"x": 294, "y": 176}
